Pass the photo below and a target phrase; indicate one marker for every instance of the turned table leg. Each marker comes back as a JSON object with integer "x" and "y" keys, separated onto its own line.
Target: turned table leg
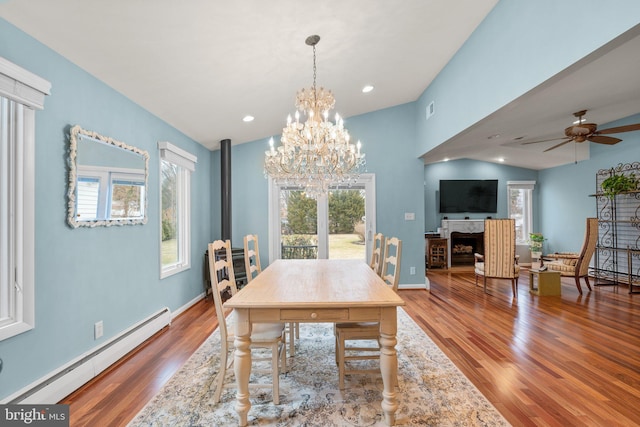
{"x": 242, "y": 364}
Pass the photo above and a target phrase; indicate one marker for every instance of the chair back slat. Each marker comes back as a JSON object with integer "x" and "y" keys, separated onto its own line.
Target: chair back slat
{"x": 391, "y": 265}
{"x": 377, "y": 254}
{"x": 222, "y": 277}
{"x": 251, "y": 256}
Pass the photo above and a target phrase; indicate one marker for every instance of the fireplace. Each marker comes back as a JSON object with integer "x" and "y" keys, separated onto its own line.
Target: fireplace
{"x": 464, "y": 245}
{"x": 471, "y": 231}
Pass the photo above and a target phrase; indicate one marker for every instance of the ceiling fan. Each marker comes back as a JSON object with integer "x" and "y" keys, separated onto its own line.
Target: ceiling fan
{"x": 581, "y": 132}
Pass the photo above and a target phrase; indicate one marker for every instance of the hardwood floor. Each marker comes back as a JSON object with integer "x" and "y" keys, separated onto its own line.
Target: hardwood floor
{"x": 118, "y": 394}
{"x": 542, "y": 361}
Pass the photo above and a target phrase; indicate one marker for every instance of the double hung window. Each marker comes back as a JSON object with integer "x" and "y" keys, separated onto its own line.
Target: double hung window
{"x": 105, "y": 194}
{"x": 520, "y": 197}
{"x": 176, "y": 166}
{"x": 21, "y": 93}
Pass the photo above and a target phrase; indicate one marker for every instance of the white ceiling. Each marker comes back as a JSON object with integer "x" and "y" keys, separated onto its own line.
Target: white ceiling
{"x": 202, "y": 65}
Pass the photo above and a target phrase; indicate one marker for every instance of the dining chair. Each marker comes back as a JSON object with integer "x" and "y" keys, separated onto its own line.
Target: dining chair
{"x": 366, "y": 331}
{"x": 251, "y": 256}
{"x": 499, "y": 260}
{"x": 263, "y": 335}
{"x": 576, "y": 265}
{"x": 253, "y": 268}
{"x": 377, "y": 254}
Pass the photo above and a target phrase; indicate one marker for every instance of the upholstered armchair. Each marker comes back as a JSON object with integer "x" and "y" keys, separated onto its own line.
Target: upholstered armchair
{"x": 576, "y": 265}
{"x": 499, "y": 260}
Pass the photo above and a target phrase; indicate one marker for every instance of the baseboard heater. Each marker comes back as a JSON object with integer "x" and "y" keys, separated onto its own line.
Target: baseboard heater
{"x": 55, "y": 386}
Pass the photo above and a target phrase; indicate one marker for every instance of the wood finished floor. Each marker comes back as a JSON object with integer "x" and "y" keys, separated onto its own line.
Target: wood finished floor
{"x": 542, "y": 361}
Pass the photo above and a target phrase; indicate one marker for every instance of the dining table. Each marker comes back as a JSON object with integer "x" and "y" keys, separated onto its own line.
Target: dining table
{"x": 316, "y": 290}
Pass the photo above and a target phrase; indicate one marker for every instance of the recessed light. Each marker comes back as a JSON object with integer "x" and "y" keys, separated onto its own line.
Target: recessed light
{"x": 497, "y": 135}
{"x": 248, "y": 118}
{"x": 367, "y": 89}
{"x": 446, "y": 159}
{"x": 501, "y": 159}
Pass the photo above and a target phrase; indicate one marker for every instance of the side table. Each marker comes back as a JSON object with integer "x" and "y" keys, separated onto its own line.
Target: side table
{"x": 544, "y": 283}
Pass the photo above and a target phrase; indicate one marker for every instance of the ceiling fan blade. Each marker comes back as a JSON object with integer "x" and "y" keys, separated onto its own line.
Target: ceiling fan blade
{"x": 546, "y": 140}
{"x": 609, "y": 140}
{"x": 619, "y": 129}
{"x": 558, "y": 145}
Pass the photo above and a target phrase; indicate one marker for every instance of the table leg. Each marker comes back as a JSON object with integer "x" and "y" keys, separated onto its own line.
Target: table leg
{"x": 242, "y": 364}
{"x": 389, "y": 363}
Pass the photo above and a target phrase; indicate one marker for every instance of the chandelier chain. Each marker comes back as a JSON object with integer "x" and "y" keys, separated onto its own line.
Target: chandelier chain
{"x": 315, "y": 94}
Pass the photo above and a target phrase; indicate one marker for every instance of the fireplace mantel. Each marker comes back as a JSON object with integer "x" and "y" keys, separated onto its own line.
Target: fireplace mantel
{"x": 461, "y": 226}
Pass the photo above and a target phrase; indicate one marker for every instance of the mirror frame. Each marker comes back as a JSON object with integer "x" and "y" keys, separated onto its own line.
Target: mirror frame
{"x": 75, "y": 132}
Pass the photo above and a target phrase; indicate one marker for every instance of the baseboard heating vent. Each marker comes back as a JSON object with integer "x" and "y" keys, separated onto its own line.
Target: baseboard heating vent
{"x": 55, "y": 386}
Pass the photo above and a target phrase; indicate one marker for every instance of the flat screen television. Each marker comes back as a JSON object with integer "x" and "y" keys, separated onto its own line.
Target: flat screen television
{"x": 468, "y": 195}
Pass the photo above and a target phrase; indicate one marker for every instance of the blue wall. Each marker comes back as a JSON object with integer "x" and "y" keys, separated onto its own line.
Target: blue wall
{"x": 388, "y": 138}
{"x": 565, "y": 197}
{"x": 86, "y": 275}
{"x": 111, "y": 274}
{"x": 471, "y": 169}
{"x": 520, "y": 44}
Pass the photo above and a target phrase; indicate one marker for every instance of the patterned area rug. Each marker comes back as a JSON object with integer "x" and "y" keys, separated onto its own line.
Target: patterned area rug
{"x": 433, "y": 392}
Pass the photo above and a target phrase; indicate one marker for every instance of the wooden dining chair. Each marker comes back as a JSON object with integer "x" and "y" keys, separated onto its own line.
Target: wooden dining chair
{"x": 263, "y": 335}
{"x": 366, "y": 331}
{"x": 251, "y": 256}
{"x": 252, "y": 268}
{"x": 377, "y": 254}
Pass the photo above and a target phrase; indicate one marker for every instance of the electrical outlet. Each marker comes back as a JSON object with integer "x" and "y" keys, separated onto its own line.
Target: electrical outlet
{"x": 98, "y": 329}
{"x": 412, "y": 270}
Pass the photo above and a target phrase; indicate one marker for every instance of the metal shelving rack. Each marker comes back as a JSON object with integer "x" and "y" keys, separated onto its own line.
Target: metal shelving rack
{"x": 617, "y": 256}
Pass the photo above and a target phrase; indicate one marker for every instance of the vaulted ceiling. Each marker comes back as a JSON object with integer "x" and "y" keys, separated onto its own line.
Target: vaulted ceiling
{"x": 203, "y": 65}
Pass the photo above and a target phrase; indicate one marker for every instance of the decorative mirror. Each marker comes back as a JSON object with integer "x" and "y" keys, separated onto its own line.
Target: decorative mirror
{"x": 107, "y": 181}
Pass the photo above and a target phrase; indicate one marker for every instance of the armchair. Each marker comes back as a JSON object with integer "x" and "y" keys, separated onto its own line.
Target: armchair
{"x": 499, "y": 260}
{"x": 576, "y": 265}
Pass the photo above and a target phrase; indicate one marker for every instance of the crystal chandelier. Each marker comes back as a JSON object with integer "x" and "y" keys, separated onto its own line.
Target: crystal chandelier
{"x": 315, "y": 154}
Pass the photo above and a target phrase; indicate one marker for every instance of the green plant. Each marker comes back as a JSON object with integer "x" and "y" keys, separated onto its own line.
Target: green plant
{"x": 535, "y": 242}
{"x": 619, "y": 183}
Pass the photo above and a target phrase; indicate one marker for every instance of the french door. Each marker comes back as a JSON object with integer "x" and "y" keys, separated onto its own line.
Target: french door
{"x": 337, "y": 225}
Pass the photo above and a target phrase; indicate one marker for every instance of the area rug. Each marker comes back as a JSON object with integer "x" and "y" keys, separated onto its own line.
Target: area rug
{"x": 432, "y": 390}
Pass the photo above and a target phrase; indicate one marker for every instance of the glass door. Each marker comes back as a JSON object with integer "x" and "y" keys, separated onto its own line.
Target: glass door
{"x": 298, "y": 225}
{"x": 338, "y": 225}
{"x": 346, "y": 223}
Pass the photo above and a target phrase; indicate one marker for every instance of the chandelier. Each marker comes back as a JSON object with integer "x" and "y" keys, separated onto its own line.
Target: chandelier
{"x": 315, "y": 154}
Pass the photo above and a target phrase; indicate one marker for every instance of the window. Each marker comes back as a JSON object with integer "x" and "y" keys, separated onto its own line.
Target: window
{"x": 20, "y": 94}
{"x": 338, "y": 225}
{"x": 108, "y": 193}
{"x": 176, "y": 166}
{"x": 520, "y": 196}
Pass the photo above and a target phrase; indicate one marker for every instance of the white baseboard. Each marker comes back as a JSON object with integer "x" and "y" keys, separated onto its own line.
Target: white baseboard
{"x": 61, "y": 382}
{"x": 415, "y": 286}
{"x": 184, "y": 308}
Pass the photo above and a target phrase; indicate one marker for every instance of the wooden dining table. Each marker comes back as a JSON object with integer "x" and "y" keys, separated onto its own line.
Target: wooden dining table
{"x": 318, "y": 290}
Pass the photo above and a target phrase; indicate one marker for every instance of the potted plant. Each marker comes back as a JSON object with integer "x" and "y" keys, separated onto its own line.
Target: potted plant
{"x": 619, "y": 183}
{"x": 535, "y": 244}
